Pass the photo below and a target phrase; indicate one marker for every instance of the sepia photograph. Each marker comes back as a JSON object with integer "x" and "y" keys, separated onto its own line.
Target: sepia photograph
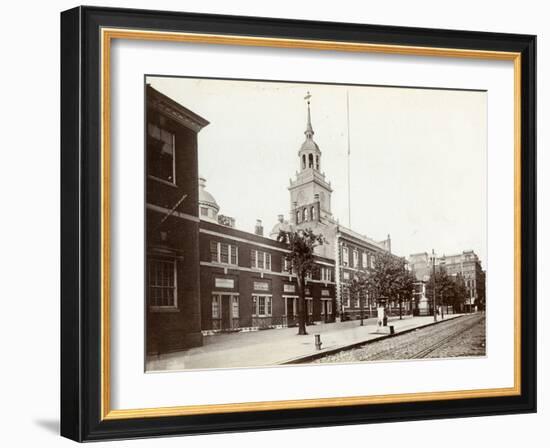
{"x": 292, "y": 223}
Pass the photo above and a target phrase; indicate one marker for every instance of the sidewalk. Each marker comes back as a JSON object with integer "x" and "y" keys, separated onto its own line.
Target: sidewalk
{"x": 273, "y": 347}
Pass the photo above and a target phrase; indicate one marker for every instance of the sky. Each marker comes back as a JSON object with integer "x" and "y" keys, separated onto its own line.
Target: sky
{"x": 418, "y": 157}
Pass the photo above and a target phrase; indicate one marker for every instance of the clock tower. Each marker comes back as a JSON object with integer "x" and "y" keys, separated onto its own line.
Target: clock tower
{"x": 310, "y": 193}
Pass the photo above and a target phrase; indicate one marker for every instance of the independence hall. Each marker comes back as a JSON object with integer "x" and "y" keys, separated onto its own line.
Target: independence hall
{"x": 204, "y": 275}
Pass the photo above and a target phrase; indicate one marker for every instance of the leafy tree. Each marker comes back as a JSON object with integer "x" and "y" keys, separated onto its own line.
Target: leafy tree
{"x": 358, "y": 288}
{"x": 405, "y": 288}
{"x": 302, "y": 244}
{"x": 450, "y": 290}
{"x": 390, "y": 279}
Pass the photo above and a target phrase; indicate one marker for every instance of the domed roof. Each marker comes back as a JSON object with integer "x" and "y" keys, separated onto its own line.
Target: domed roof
{"x": 281, "y": 225}
{"x": 205, "y": 198}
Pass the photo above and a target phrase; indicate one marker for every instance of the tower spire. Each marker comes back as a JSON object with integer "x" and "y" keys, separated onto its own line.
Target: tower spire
{"x": 309, "y": 129}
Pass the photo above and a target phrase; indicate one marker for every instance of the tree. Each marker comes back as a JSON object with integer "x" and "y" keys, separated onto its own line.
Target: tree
{"x": 358, "y": 288}
{"x": 405, "y": 288}
{"x": 450, "y": 290}
{"x": 302, "y": 244}
{"x": 389, "y": 278}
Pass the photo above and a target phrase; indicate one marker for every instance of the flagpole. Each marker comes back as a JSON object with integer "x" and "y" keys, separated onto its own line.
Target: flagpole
{"x": 349, "y": 172}
{"x": 167, "y": 215}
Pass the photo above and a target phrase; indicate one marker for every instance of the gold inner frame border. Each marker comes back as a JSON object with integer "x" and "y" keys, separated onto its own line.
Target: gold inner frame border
{"x": 107, "y": 36}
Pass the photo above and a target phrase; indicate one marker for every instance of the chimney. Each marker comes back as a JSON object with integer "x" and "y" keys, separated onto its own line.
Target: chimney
{"x": 258, "y": 229}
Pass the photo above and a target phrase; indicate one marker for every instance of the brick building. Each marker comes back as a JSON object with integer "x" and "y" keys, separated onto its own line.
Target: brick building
{"x": 172, "y": 225}
{"x": 246, "y": 283}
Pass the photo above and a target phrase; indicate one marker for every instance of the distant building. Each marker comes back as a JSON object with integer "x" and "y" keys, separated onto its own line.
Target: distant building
{"x": 467, "y": 265}
{"x": 173, "y": 319}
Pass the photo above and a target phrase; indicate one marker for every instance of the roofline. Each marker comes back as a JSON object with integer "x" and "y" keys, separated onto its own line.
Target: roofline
{"x": 187, "y": 113}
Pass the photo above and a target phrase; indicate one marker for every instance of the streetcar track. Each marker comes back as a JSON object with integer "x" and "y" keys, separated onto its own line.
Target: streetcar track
{"x": 472, "y": 321}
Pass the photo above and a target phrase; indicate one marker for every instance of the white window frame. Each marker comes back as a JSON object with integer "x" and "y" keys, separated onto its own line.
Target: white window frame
{"x": 355, "y": 258}
{"x": 287, "y": 265}
{"x": 309, "y": 306}
{"x": 235, "y": 299}
{"x": 174, "y": 304}
{"x": 266, "y": 257}
{"x": 232, "y": 249}
{"x": 216, "y": 298}
{"x": 345, "y": 256}
{"x": 268, "y": 299}
{"x": 326, "y": 274}
{"x": 364, "y": 259}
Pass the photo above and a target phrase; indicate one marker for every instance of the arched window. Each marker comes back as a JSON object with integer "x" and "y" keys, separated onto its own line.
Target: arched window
{"x": 304, "y": 162}
{"x": 306, "y": 217}
{"x": 313, "y": 217}
{"x": 317, "y": 163}
{"x": 311, "y": 161}
{"x": 298, "y": 217}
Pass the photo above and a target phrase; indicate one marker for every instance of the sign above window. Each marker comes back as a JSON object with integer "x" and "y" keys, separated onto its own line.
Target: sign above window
{"x": 225, "y": 283}
{"x": 261, "y": 286}
{"x": 289, "y": 288}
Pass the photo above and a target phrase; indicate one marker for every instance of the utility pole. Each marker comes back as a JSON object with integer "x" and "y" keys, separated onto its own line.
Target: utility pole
{"x": 433, "y": 275}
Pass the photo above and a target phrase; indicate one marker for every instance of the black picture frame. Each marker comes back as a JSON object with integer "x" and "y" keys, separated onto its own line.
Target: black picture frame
{"x": 81, "y": 379}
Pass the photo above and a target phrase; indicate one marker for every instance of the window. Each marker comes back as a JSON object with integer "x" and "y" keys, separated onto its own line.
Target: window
{"x": 287, "y": 265}
{"x": 298, "y": 216}
{"x": 216, "y": 306}
{"x": 204, "y": 211}
{"x": 345, "y": 256}
{"x": 345, "y": 296}
{"x": 317, "y": 162}
{"x": 329, "y": 306}
{"x": 261, "y": 305}
{"x": 326, "y": 274}
{"x": 313, "y": 214}
{"x": 310, "y": 158}
{"x": 162, "y": 283}
{"x": 364, "y": 262}
{"x": 304, "y": 162}
{"x": 223, "y": 253}
{"x": 161, "y": 161}
{"x": 309, "y": 305}
{"x": 306, "y": 214}
{"x": 260, "y": 260}
{"x": 356, "y": 301}
{"x": 372, "y": 260}
{"x": 235, "y": 306}
{"x": 355, "y": 258}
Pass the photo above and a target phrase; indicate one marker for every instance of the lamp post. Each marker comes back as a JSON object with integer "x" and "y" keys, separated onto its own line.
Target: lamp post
{"x": 433, "y": 276}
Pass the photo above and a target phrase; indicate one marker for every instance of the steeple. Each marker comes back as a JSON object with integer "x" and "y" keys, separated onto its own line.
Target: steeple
{"x": 310, "y": 192}
{"x": 309, "y": 129}
{"x": 309, "y": 154}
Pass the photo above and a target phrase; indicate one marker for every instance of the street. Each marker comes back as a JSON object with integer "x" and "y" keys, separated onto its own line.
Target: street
{"x": 464, "y": 336}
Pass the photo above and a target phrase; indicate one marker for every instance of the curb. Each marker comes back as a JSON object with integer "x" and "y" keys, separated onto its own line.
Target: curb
{"x": 332, "y": 351}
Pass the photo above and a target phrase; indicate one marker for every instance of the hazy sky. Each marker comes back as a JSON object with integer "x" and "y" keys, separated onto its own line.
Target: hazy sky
{"x": 418, "y": 156}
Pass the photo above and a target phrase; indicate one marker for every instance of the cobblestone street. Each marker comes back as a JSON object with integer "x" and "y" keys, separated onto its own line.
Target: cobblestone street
{"x": 464, "y": 336}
